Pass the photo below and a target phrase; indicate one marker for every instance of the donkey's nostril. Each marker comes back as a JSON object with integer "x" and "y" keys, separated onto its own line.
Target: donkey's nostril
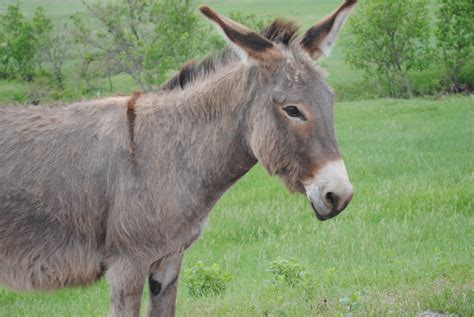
{"x": 331, "y": 198}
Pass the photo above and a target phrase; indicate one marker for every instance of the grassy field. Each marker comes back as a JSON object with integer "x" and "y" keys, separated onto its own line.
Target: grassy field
{"x": 404, "y": 245}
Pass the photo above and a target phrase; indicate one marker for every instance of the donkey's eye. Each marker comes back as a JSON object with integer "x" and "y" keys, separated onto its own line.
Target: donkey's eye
{"x": 293, "y": 111}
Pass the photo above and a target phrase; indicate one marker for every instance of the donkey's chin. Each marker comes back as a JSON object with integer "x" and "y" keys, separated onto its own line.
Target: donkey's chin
{"x": 320, "y": 216}
{"x": 316, "y": 212}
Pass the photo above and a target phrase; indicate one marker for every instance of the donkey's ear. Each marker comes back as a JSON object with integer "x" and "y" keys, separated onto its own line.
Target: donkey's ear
{"x": 317, "y": 41}
{"x": 247, "y": 41}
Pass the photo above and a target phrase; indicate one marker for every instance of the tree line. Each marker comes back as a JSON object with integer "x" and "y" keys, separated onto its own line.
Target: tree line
{"x": 143, "y": 39}
{"x": 148, "y": 39}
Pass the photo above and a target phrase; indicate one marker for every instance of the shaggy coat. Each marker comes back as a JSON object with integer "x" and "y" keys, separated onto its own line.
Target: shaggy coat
{"x": 122, "y": 186}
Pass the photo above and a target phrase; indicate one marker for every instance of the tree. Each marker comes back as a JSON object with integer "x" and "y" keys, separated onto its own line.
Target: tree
{"x": 57, "y": 52}
{"x": 42, "y": 28}
{"x": 17, "y": 49}
{"x": 455, "y": 34}
{"x": 147, "y": 39}
{"x": 52, "y": 44}
{"x": 88, "y": 54}
{"x": 387, "y": 39}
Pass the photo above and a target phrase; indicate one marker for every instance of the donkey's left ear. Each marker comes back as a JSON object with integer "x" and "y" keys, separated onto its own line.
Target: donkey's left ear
{"x": 317, "y": 41}
{"x": 246, "y": 41}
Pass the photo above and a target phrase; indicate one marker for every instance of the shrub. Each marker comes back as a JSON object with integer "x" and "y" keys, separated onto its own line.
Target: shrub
{"x": 145, "y": 39}
{"x": 466, "y": 75}
{"x": 13, "y": 92}
{"x": 455, "y": 34}
{"x": 387, "y": 39}
{"x": 202, "y": 280}
{"x": 288, "y": 272}
{"x": 17, "y": 45}
{"x": 427, "y": 82}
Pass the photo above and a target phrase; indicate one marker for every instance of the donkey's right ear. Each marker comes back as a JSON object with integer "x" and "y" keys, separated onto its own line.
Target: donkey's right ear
{"x": 245, "y": 40}
{"x": 317, "y": 41}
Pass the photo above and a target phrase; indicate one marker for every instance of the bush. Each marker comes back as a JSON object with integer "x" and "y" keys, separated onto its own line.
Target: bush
{"x": 466, "y": 76}
{"x": 427, "y": 82}
{"x": 202, "y": 280}
{"x": 13, "y": 92}
{"x": 17, "y": 45}
{"x": 387, "y": 39}
{"x": 455, "y": 34}
{"x": 288, "y": 272}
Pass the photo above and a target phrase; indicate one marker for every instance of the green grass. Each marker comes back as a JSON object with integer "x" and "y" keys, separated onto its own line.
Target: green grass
{"x": 404, "y": 244}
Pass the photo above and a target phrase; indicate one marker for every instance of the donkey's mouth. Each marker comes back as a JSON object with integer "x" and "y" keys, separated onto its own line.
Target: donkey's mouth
{"x": 330, "y": 215}
{"x": 318, "y": 215}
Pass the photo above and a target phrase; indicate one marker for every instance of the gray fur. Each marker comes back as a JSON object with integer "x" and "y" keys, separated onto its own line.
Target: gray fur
{"x": 78, "y": 200}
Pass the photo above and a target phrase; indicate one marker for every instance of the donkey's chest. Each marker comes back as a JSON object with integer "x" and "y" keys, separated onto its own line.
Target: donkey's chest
{"x": 193, "y": 233}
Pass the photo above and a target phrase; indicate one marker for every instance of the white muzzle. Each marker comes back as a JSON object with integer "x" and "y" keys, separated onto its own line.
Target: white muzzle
{"x": 330, "y": 190}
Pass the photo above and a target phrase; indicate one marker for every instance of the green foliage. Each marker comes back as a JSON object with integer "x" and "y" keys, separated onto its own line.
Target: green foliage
{"x": 13, "y": 92}
{"x": 202, "y": 280}
{"x": 455, "y": 34}
{"x": 24, "y": 45}
{"x": 427, "y": 82}
{"x": 145, "y": 39}
{"x": 52, "y": 44}
{"x": 92, "y": 60}
{"x": 42, "y": 26}
{"x": 466, "y": 75}
{"x": 387, "y": 39}
{"x": 17, "y": 45}
{"x": 104, "y": 58}
{"x": 180, "y": 35}
{"x": 287, "y": 272}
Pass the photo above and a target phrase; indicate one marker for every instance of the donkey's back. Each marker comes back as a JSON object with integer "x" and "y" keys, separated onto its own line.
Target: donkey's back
{"x": 55, "y": 179}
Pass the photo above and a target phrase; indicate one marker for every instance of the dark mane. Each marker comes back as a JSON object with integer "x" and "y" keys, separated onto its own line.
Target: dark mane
{"x": 280, "y": 31}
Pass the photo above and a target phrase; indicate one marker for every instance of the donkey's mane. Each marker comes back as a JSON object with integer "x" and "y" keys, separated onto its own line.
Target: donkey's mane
{"x": 280, "y": 31}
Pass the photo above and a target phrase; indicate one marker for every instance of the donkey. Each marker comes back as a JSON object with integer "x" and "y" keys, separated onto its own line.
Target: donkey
{"x": 122, "y": 186}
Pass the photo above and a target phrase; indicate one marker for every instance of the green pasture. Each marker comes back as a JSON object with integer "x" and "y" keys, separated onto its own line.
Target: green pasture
{"x": 404, "y": 245}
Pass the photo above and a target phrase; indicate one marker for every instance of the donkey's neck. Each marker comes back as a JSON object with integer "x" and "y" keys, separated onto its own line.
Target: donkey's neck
{"x": 196, "y": 139}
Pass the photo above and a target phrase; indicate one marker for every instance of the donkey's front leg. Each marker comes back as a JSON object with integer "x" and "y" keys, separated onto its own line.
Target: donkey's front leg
{"x": 163, "y": 281}
{"x": 126, "y": 278}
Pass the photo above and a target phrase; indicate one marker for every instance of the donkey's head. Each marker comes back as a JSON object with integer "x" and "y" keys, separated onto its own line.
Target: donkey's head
{"x": 291, "y": 124}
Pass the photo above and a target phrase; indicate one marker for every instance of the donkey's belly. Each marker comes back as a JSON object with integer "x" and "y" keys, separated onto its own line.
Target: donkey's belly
{"x": 48, "y": 273}
{"x": 42, "y": 248}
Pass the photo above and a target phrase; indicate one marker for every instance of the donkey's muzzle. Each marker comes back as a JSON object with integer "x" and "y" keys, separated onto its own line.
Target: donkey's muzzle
{"x": 329, "y": 191}
{"x": 336, "y": 209}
